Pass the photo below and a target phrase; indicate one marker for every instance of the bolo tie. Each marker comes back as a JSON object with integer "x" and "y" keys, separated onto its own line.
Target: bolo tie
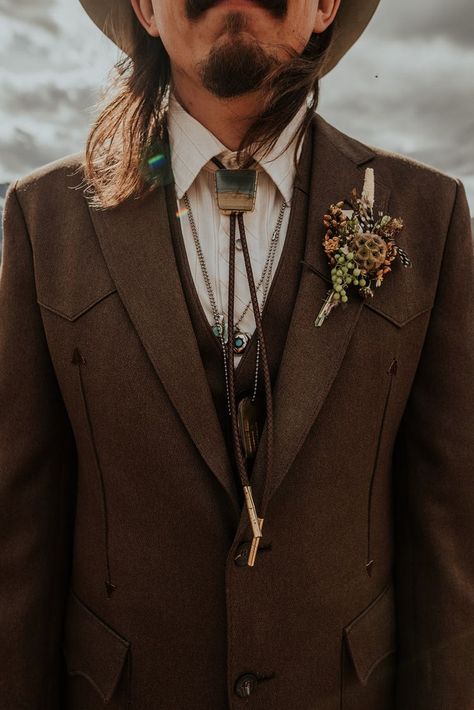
{"x": 236, "y": 191}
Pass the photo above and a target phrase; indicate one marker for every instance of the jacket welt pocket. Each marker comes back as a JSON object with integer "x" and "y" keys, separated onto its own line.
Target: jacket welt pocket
{"x": 92, "y": 649}
{"x": 371, "y": 636}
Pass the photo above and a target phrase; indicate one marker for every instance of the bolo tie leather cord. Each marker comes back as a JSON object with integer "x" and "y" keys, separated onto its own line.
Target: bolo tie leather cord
{"x": 256, "y": 522}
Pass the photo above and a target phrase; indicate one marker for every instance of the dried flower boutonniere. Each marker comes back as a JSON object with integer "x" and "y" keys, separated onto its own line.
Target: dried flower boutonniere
{"x": 360, "y": 247}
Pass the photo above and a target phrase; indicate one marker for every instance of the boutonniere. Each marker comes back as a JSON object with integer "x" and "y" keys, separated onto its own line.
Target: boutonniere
{"x": 360, "y": 247}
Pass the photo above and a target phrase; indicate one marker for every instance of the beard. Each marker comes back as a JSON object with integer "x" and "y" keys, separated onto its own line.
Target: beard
{"x": 238, "y": 65}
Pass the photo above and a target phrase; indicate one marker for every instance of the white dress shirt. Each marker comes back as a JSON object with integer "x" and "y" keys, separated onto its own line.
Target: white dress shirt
{"x": 192, "y": 146}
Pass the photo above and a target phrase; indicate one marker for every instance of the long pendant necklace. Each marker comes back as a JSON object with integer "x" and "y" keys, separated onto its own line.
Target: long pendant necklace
{"x": 220, "y": 329}
{"x": 235, "y": 194}
{"x": 241, "y": 339}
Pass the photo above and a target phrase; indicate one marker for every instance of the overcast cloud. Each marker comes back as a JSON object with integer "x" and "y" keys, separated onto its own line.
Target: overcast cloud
{"x": 406, "y": 86}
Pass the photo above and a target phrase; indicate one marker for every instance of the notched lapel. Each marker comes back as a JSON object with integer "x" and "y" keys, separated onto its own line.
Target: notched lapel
{"x": 135, "y": 239}
{"x": 313, "y": 355}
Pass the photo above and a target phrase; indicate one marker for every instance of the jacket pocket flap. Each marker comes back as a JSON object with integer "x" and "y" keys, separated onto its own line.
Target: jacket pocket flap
{"x": 72, "y": 308}
{"x": 371, "y": 636}
{"x": 389, "y": 300}
{"x": 92, "y": 648}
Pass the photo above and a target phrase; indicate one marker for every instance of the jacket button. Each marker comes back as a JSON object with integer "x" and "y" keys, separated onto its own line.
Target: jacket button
{"x": 242, "y": 554}
{"x": 245, "y": 684}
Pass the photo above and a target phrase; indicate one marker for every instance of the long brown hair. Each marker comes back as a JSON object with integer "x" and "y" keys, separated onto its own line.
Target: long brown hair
{"x": 131, "y": 127}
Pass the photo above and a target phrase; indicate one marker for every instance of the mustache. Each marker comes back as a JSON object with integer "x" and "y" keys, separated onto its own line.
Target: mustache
{"x": 195, "y": 8}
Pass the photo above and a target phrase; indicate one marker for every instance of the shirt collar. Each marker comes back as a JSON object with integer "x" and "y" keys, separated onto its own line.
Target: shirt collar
{"x": 192, "y": 146}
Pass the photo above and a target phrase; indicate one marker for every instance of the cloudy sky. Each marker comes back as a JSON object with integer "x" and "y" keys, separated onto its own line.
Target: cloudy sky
{"x": 407, "y": 86}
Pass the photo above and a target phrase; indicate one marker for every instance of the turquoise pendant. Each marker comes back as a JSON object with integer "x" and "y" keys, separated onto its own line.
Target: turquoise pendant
{"x": 220, "y": 329}
{"x": 235, "y": 190}
{"x": 241, "y": 341}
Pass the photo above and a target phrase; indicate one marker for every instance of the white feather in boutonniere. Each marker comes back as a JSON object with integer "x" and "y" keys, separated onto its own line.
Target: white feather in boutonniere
{"x": 360, "y": 247}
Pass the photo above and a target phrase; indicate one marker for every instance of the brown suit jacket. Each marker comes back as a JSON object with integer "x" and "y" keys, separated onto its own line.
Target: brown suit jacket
{"x": 120, "y": 533}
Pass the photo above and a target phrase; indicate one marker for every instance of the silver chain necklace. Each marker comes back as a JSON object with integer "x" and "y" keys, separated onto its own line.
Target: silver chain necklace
{"x": 219, "y": 329}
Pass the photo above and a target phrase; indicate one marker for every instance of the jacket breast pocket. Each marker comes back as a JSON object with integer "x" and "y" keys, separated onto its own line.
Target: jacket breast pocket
{"x": 369, "y": 655}
{"x": 97, "y": 660}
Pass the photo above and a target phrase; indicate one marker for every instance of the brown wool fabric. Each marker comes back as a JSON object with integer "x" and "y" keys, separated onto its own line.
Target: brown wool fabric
{"x": 120, "y": 518}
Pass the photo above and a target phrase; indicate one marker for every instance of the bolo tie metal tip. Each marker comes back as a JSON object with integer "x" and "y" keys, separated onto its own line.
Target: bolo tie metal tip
{"x": 255, "y": 522}
{"x": 254, "y": 546}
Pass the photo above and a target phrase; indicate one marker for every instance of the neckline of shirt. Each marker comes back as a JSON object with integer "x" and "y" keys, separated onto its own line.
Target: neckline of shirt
{"x": 192, "y": 146}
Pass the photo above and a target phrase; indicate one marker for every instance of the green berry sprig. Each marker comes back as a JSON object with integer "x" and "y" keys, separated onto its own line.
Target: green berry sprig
{"x": 345, "y": 273}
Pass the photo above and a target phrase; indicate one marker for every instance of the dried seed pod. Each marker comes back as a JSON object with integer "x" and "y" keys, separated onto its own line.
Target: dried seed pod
{"x": 370, "y": 250}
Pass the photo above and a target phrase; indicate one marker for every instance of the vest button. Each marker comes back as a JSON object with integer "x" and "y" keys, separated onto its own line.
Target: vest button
{"x": 242, "y": 554}
{"x": 245, "y": 684}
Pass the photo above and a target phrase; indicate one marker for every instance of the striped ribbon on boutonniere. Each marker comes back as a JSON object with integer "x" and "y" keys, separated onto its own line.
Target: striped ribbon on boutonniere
{"x": 360, "y": 247}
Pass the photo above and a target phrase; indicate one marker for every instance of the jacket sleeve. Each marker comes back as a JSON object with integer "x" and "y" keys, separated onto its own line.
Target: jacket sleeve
{"x": 434, "y": 495}
{"x": 37, "y": 472}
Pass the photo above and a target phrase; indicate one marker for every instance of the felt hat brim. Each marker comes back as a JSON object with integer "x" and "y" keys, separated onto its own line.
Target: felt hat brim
{"x": 115, "y": 19}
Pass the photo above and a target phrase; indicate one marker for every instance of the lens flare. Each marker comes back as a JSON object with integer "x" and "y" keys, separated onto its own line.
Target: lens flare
{"x": 156, "y": 161}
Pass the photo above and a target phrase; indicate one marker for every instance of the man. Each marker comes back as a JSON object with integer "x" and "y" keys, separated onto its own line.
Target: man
{"x": 205, "y": 508}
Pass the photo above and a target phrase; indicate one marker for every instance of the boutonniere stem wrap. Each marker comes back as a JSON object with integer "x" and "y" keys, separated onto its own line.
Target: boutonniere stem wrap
{"x": 360, "y": 247}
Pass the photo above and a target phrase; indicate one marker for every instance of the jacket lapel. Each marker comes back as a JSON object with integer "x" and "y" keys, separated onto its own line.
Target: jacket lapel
{"x": 135, "y": 239}
{"x": 313, "y": 356}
